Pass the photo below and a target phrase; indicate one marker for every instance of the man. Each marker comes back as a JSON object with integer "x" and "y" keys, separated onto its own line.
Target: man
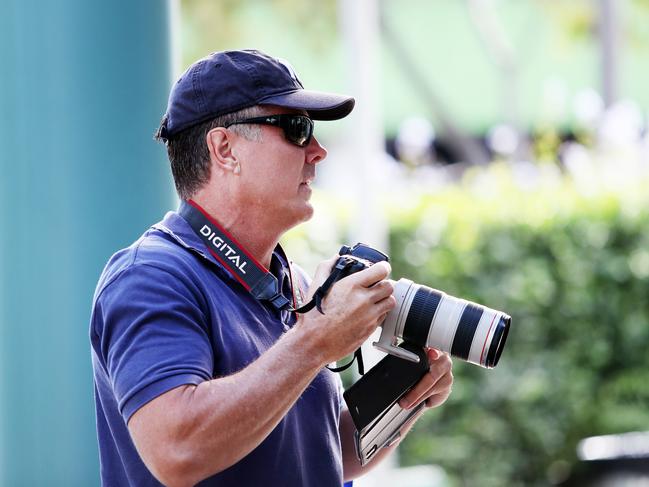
{"x": 200, "y": 373}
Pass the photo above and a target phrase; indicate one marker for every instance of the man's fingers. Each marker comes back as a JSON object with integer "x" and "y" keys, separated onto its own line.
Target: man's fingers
{"x": 435, "y": 400}
{"x": 433, "y": 354}
{"x": 443, "y": 385}
{"x": 437, "y": 381}
{"x": 371, "y": 275}
{"x": 381, "y": 290}
{"x": 427, "y": 387}
{"x": 385, "y": 306}
{"x": 418, "y": 392}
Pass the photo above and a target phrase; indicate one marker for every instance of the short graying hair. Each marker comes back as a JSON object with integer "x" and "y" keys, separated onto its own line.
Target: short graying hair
{"x": 188, "y": 153}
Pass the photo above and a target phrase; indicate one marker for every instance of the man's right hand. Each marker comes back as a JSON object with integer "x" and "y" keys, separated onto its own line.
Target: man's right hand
{"x": 353, "y": 308}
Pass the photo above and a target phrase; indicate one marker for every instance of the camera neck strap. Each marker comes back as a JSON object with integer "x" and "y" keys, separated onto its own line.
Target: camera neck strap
{"x": 252, "y": 275}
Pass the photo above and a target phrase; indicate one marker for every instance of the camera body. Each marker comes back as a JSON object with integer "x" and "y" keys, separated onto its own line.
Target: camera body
{"x": 427, "y": 317}
{"x": 357, "y": 258}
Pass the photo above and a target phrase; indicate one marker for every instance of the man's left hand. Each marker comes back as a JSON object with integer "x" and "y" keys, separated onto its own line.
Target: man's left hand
{"x": 435, "y": 386}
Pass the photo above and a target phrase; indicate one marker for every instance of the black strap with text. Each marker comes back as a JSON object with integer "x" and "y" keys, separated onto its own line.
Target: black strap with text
{"x": 258, "y": 280}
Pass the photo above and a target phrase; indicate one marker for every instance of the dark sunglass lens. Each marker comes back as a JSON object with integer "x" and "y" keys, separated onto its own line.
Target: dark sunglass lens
{"x": 300, "y": 129}
{"x": 293, "y": 132}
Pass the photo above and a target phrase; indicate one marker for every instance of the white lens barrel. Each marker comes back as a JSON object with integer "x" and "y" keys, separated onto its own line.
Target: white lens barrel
{"x": 483, "y": 337}
{"x": 444, "y": 323}
{"x": 404, "y": 292}
{"x": 432, "y": 318}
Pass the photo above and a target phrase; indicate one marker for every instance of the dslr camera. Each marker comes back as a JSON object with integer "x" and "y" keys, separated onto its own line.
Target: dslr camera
{"x": 423, "y": 317}
{"x": 426, "y": 317}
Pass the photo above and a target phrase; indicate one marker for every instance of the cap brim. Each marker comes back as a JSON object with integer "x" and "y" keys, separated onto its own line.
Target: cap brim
{"x": 319, "y": 105}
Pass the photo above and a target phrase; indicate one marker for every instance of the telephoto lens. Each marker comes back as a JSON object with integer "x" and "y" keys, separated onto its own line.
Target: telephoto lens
{"x": 431, "y": 318}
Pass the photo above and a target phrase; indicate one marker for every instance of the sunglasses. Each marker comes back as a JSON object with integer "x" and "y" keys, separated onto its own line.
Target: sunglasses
{"x": 298, "y": 129}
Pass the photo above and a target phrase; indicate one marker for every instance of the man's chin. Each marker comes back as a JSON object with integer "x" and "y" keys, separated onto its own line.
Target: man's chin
{"x": 304, "y": 214}
{"x": 308, "y": 212}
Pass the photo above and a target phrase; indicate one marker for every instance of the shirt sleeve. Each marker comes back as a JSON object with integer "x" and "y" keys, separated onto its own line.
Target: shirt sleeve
{"x": 153, "y": 335}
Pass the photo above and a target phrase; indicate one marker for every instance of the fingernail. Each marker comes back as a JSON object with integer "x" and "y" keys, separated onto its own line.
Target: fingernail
{"x": 404, "y": 404}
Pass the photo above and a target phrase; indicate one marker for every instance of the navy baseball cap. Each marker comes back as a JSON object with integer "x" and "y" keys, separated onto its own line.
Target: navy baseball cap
{"x": 225, "y": 82}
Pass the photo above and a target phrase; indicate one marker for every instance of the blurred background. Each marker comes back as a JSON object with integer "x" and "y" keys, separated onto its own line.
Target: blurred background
{"x": 498, "y": 151}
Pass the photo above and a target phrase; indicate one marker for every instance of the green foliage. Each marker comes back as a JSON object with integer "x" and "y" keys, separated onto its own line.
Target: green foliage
{"x": 277, "y": 26}
{"x": 573, "y": 272}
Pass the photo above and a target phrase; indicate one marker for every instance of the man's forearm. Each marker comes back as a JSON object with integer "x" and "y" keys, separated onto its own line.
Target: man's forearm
{"x": 197, "y": 431}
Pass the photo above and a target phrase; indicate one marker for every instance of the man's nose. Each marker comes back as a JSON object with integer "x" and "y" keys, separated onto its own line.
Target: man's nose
{"x": 315, "y": 153}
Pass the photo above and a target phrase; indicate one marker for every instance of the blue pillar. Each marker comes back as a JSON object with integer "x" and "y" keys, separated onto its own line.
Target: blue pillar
{"x": 83, "y": 85}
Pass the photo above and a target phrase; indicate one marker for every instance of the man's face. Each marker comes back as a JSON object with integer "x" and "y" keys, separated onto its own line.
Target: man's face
{"x": 276, "y": 175}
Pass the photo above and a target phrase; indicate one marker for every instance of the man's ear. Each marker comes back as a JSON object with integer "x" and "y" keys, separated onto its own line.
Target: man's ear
{"x": 219, "y": 144}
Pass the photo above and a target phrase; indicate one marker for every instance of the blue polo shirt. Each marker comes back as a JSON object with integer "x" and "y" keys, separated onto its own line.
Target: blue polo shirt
{"x": 166, "y": 313}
